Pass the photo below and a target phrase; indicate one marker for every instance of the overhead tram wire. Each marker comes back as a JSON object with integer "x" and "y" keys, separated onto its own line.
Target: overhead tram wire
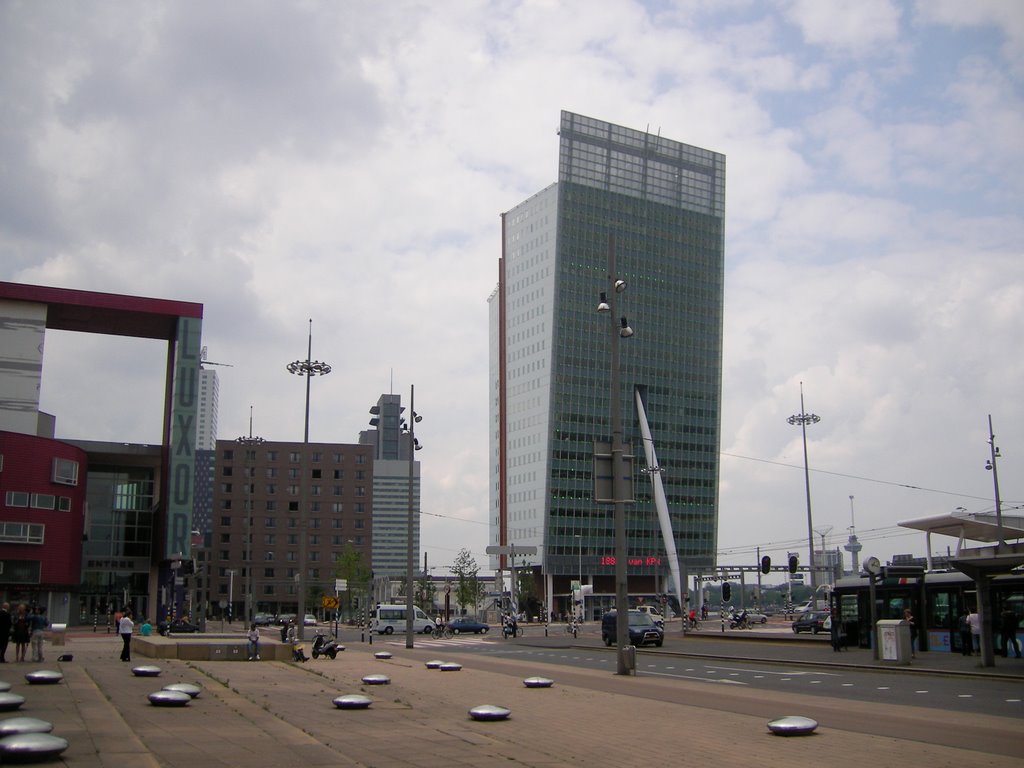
{"x": 860, "y": 477}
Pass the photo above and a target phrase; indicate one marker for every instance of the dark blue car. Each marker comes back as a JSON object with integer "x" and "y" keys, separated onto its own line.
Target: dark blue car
{"x": 463, "y": 625}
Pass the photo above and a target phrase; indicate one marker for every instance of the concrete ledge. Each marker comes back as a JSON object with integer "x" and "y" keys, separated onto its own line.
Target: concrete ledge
{"x": 207, "y": 648}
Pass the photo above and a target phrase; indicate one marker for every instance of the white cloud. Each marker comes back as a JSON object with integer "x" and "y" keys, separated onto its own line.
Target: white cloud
{"x": 286, "y": 162}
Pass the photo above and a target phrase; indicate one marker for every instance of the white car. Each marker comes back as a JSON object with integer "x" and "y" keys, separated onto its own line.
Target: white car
{"x": 309, "y": 620}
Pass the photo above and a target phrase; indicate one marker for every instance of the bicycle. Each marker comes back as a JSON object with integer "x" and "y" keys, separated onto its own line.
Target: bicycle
{"x": 693, "y": 623}
{"x": 507, "y": 631}
{"x": 438, "y": 633}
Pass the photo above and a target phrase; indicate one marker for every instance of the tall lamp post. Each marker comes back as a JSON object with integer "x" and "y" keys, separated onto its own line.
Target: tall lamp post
{"x": 991, "y": 465}
{"x": 619, "y": 329}
{"x": 250, "y": 444}
{"x": 308, "y": 368}
{"x": 410, "y": 552}
{"x": 803, "y": 419}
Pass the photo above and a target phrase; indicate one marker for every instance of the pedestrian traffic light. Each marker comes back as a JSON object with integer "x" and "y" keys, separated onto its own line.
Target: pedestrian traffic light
{"x": 766, "y": 564}
{"x": 726, "y": 591}
{"x": 794, "y": 563}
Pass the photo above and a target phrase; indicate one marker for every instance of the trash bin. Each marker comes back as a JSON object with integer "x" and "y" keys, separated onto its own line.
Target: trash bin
{"x": 58, "y": 634}
{"x": 894, "y": 641}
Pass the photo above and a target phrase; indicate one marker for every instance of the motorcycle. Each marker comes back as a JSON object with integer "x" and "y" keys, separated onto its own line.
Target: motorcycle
{"x": 325, "y": 646}
{"x": 739, "y": 621}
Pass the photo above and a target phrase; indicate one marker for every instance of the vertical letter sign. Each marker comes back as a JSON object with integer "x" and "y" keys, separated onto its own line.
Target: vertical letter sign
{"x": 184, "y": 403}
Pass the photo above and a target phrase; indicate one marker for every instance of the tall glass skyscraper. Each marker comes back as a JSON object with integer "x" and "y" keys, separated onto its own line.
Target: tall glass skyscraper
{"x": 663, "y": 202}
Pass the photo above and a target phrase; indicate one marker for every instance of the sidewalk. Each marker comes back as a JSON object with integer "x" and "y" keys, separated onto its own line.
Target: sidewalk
{"x": 273, "y": 713}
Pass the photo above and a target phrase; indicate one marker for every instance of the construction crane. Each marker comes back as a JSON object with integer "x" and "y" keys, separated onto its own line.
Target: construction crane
{"x": 203, "y": 361}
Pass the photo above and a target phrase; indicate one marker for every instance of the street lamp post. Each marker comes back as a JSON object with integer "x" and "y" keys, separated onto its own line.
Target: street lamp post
{"x": 410, "y": 563}
{"x": 250, "y": 444}
{"x": 619, "y": 329}
{"x": 991, "y": 465}
{"x": 803, "y": 419}
{"x": 308, "y": 368}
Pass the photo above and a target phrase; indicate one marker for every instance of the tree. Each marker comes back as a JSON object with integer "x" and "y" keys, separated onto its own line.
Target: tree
{"x": 351, "y": 566}
{"x": 468, "y": 589}
{"x": 425, "y": 592}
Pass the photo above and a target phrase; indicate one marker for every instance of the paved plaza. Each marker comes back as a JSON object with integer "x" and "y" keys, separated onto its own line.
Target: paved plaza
{"x": 278, "y": 713}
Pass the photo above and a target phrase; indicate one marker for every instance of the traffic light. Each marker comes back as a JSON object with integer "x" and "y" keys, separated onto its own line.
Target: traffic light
{"x": 766, "y": 564}
{"x": 726, "y": 591}
{"x": 794, "y": 563}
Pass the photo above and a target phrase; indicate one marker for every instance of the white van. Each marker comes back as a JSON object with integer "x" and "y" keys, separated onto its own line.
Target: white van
{"x": 391, "y": 618}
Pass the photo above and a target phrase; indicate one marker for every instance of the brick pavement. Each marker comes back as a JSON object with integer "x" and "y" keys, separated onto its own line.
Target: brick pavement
{"x": 275, "y": 713}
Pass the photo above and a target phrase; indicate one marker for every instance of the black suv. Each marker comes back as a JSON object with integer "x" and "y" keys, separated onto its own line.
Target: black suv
{"x": 642, "y": 629}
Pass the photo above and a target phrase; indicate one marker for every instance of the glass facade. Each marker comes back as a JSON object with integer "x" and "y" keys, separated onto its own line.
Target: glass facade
{"x": 663, "y": 203}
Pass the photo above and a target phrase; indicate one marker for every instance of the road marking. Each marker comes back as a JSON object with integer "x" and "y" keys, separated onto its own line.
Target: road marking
{"x": 920, "y": 691}
{"x": 1013, "y": 701}
{"x": 717, "y": 681}
{"x": 882, "y": 688}
{"x": 847, "y": 685}
{"x": 790, "y": 673}
{"x": 965, "y": 695}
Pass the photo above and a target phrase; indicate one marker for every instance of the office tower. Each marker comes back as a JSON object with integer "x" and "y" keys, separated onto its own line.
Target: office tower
{"x": 206, "y": 413}
{"x": 391, "y": 468}
{"x": 661, "y": 205}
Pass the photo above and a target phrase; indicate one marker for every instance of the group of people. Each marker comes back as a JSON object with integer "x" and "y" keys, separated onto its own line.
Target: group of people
{"x": 25, "y": 627}
{"x": 970, "y": 632}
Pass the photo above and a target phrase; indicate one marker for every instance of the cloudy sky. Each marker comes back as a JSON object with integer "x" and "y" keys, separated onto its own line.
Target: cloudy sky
{"x": 347, "y": 162}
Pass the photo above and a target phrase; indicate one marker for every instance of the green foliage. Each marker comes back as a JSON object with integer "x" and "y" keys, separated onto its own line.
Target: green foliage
{"x": 468, "y": 590}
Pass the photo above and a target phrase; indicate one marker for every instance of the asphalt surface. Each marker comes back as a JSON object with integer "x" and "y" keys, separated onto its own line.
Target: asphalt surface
{"x": 274, "y": 713}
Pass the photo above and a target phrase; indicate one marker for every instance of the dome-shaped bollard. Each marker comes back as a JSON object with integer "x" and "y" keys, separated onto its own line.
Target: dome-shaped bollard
{"x": 434, "y": 664}
{"x": 169, "y": 699}
{"x": 146, "y": 670}
{"x": 538, "y": 682}
{"x": 352, "y": 701}
{"x": 382, "y": 655}
{"x": 490, "y": 712}
{"x": 792, "y": 725}
{"x": 450, "y": 667}
{"x": 12, "y": 726}
{"x": 44, "y": 677}
{"x": 190, "y": 689}
{"x": 377, "y": 680}
{"x": 31, "y": 747}
{"x": 10, "y": 701}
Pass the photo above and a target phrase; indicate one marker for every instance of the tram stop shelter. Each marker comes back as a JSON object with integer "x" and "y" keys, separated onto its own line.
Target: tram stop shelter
{"x": 1003, "y": 551}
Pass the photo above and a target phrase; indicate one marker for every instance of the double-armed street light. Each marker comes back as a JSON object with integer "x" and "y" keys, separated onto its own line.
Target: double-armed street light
{"x": 410, "y": 564}
{"x": 803, "y": 419}
{"x": 619, "y": 330}
{"x": 308, "y": 368}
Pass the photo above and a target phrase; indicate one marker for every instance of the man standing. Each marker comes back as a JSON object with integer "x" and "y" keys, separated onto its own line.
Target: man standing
{"x": 1009, "y": 624}
{"x": 37, "y": 625}
{"x": 5, "y": 630}
{"x": 124, "y": 629}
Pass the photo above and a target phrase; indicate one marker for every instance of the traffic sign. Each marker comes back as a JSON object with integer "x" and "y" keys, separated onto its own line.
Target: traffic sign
{"x": 340, "y": 585}
{"x": 329, "y": 602}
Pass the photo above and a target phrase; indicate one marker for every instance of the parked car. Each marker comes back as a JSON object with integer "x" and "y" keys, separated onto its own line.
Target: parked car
{"x": 285, "y": 618}
{"x": 643, "y": 630}
{"x": 263, "y": 619}
{"x": 463, "y": 625}
{"x": 810, "y": 621}
{"x": 178, "y": 627}
{"x": 754, "y": 617}
{"x": 309, "y": 620}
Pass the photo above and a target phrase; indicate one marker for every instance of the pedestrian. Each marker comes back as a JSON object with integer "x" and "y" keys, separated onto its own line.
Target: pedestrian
{"x": 1008, "y": 625}
{"x": 6, "y": 623}
{"x": 124, "y": 629}
{"x": 254, "y": 642}
{"x": 20, "y": 632}
{"x": 908, "y": 616}
{"x": 146, "y": 629}
{"x": 974, "y": 622}
{"x": 965, "y": 633}
{"x": 37, "y": 626}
